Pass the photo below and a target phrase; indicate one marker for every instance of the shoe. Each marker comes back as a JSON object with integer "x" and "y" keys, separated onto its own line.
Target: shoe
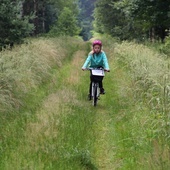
{"x": 102, "y": 91}
{"x": 89, "y": 97}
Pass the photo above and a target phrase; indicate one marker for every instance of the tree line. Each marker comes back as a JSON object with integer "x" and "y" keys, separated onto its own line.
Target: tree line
{"x": 134, "y": 19}
{"x": 21, "y": 18}
{"x": 124, "y": 19}
{"x": 86, "y": 18}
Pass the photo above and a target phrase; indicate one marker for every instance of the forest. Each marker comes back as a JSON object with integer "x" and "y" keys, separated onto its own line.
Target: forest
{"x": 126, "y": 20}
{"x": 46, "y": 119}
{"x": 134, "y": 19}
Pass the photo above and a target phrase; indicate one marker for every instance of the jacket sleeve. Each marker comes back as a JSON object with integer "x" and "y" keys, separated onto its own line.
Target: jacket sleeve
{"x": 87, "y": 62}
{"x": 105, "y": 61}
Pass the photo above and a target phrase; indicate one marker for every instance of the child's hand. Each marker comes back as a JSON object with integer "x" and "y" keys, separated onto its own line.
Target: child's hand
{"x": 83, "y": 69}
{"x": 107, "y": 70}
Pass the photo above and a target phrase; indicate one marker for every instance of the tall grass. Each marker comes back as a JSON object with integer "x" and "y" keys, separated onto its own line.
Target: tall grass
{"x": 27, "y": 66}
{"x": 58, "y": 133}
{"x": 57, "y": 128}
{"x": 148, "y": 124}
{"x": 150, "y": 74}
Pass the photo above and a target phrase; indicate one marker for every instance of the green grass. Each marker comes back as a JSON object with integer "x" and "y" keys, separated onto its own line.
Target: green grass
{"x": 143, "y": 137}
{"x": 57, "y": 128}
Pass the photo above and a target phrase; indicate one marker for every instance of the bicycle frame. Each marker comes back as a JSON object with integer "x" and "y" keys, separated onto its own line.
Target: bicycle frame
{"x": 95, "y": 90}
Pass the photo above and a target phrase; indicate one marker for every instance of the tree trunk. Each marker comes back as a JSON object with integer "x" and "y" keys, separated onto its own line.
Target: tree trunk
{"x": 36, "y": 16}
{"x": 152, "y": 34}
{"x": 162, "y": 34}
{"x": 43, "y": 18}
{"x": 22, "y": 8}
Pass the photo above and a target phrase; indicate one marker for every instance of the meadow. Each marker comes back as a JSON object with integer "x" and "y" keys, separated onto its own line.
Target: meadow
{"x": 47, "y": 122}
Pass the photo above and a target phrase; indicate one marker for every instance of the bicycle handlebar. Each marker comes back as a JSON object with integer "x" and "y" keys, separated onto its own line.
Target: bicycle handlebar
{"x": 90, "y": 68}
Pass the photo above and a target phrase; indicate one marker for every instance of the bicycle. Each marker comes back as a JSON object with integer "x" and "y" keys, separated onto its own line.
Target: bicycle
{"x": 97, "y": 76}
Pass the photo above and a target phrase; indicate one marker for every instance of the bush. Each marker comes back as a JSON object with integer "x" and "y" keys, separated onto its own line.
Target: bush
{"x": 166, "y": 47}
{"x": 66, "y": 24}
{"x": 13, "y": 27}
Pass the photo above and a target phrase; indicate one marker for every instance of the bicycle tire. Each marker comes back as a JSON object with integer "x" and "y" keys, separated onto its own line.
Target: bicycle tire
{"x": 95, "y": 94}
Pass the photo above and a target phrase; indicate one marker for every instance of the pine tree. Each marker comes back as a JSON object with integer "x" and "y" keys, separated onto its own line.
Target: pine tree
{"x": 66, "y": 24}
{"x": 13, "y": 25}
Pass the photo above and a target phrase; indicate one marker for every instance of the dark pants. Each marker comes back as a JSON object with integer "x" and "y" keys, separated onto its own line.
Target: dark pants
{"x": 92, "y": 79}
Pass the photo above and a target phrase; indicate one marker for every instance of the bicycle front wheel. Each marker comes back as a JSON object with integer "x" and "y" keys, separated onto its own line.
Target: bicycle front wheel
{"x": 95, "y": 95}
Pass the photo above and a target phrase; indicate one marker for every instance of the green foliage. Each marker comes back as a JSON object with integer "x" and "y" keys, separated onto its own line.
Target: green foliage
{"x": 110, "y": 19}
{"x": 20, "y": 19}
{"x": 66, "y": 24}
{"x": 165, "y": 48}
{"x": 13, "y": 26}
{"x": 133, "y": 19}
{"x": 86, "y": 17}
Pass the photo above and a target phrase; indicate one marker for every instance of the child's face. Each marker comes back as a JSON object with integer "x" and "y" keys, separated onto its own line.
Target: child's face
{"x": 97, "y": 48}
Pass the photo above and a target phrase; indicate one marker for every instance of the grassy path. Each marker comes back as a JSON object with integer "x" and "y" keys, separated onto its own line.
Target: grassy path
{"x": 103, "y": 116}
{"x": 64, "y": 131}
{"x": 107, "y": 112}
{"x": 61, "y": 129}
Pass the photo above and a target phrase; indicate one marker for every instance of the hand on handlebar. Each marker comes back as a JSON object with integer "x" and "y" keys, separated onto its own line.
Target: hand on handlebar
{"x": 106, "y": 70}
{"x": 88, "y": 69}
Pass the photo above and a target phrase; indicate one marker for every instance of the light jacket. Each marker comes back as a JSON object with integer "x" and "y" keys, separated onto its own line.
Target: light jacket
{"x": 96, "y": 60}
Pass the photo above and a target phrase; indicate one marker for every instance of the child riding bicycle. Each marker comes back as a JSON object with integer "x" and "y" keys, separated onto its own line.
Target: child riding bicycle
{"x": 96, "y": 59}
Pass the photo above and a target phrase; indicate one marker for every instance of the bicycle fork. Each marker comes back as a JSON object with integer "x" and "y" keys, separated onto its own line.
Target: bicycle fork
{"x": 95, "y": 92}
